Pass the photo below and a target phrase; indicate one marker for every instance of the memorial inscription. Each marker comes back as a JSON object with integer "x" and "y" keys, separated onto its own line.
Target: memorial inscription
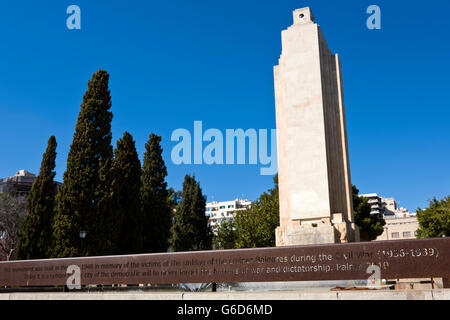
{"x": 395, "y": 259}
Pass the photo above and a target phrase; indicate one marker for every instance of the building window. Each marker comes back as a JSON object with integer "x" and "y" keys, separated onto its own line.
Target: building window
{"x": 222, "y": 207}
{"x": 395, "y": 235}
{"x": 407, "y": 234}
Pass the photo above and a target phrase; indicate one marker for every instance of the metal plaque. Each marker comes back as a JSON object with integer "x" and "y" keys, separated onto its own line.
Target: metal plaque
{"x": 416, "y": 258}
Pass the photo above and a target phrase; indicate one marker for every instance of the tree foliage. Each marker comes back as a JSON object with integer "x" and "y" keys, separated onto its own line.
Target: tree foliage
{"x": 434, "y": 221}
{"x": 84, "y": 202}
{"x": 126, "y": 186}
{"x": 12, "y": 214}
{"x": 190, "y": 230}
{"x": 156, "y": 211}
{"x": 174, "y": 198}
{"x": 35, "y": 239}
{"x": 226, "y": 235}
{"x": 253, "y": 228}
{"x": 370, "y": 225}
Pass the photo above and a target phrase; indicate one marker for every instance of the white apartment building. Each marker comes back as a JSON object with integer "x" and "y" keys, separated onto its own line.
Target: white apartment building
{"x": 375, "y": 202}
{"x": 400, "y": 223}
{"x": 385, "y": 206}
{"x": 219, "y": 211}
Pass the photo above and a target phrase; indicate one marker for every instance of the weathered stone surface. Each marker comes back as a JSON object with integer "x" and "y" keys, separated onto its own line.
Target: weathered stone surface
{"x": 314, "y": 175}
{"x": 306, "y": 234}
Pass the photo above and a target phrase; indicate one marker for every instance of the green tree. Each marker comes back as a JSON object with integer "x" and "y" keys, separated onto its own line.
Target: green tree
{"x": 226, "y": 235}
{"x": 156, "y": 211}
{"x": 35, "y": 239}
{"x": 126, "y": 186}
{"x": 84, "y": 202}
{"x": 253, "y": 228}
{"x": 191, "y": 230}
{"x": 174, "y": 198}
{"x": 434, "y": 221}
{"x": 370, "y": 225}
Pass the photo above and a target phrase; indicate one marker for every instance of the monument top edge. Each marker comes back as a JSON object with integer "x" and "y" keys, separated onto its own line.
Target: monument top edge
{"x": 303, "y": 15}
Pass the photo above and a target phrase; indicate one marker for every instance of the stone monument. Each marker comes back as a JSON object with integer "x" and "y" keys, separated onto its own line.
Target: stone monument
{"x": 314, "y": 176}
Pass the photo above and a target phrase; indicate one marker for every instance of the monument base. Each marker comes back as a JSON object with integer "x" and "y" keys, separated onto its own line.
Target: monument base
{"x": 325, "y": 231}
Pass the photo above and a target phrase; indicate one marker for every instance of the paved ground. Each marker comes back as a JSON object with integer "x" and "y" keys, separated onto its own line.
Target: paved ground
{"x": 441, "y": 294}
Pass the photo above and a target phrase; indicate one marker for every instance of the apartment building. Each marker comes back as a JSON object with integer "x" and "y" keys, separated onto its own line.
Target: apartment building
{"x": 224, "y": 210}
{"x": 376, "y": 203}
{"x": 400, "y": 228}
{"x": 400, "y": 223}
{"x": 387, "y": 207}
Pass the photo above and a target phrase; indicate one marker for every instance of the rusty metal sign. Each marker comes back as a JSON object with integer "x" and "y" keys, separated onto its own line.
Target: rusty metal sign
{"x": 417, "y": 258}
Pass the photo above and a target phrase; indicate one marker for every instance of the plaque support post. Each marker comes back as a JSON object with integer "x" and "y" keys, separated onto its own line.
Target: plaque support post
{"x": 446, "y": 282}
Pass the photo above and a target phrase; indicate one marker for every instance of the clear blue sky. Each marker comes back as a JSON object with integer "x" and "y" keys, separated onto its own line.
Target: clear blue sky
{"x": 173, "y": 62}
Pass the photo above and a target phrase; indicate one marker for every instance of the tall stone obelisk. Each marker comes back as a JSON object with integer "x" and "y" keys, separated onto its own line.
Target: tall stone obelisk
{"x": 313, "y": 166}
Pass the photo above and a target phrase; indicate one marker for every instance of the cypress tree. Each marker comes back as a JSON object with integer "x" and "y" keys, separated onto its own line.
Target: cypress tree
{"x": 191, "y": 230}
{"x": 35, "y": 239}
{"x": 84, "y": 200}
{"x": 126, "y": 187}
{"x": 156, "y": 212}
